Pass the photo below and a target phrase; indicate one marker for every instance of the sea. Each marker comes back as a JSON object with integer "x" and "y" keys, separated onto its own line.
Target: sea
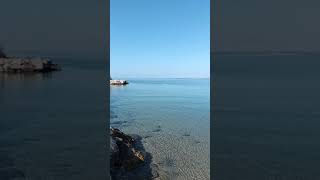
{"x": 173, "y": 118}
{"x": 53, "y": 125}
{"x": 266, "y": 121}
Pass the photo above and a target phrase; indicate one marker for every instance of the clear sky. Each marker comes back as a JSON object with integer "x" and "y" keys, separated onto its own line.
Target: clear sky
{"x": 160, "y": 38}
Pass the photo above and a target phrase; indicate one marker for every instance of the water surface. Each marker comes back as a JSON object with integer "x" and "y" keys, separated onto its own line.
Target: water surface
{"x": 172, "y": 116}
{"x": 52, "y": 125}
{"x": 266, "y": 122}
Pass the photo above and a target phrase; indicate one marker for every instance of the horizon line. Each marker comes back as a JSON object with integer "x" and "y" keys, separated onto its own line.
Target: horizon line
{"x": 164, "y": 77}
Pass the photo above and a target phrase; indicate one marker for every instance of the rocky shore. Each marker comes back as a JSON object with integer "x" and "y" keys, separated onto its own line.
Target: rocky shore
{"x": 20, "y": 65}
{"x": 128, "y": 159}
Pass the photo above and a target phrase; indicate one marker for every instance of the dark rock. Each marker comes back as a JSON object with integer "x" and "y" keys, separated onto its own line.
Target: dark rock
{"x": 123, "y": 153}
{"x": 156, "y": 130}
{"x": 186, "y": 134}
{"x": 129, "y": 160}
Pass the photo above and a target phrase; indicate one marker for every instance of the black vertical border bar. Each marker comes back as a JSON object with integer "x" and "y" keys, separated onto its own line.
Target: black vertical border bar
{"x": 107, "y": 131}
{"x": 212, "y": 87}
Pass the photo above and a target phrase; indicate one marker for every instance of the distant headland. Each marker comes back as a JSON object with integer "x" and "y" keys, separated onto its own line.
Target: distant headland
{"x": 26, "y": 64}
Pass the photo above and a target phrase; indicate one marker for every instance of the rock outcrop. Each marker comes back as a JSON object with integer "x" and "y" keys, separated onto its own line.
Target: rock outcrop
{"x": 27, "y": 65}
{"x": 118, "y": 82}
{"x": 123, "y": 153}
{"x": 128, "y": 159}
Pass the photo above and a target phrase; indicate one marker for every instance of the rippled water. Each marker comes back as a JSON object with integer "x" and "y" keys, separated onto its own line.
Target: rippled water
{"x": 173, "y": 117}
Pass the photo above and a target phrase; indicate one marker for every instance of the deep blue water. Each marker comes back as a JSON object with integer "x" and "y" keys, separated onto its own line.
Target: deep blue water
{"x": 267, "y": 117}
{"x": 173, "y": 117}
{"x": 52, "y": 126}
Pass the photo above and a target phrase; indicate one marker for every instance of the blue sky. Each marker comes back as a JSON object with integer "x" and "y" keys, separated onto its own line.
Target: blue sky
{"x": 160, "y": 38}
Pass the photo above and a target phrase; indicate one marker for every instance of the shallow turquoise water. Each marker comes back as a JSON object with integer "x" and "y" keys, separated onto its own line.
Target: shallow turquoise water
{"x": 173, "y": 117}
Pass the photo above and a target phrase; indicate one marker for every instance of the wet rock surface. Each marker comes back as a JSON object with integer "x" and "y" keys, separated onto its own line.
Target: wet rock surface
{"x": 124, "y": 154}
{"x": 128, "y": 158}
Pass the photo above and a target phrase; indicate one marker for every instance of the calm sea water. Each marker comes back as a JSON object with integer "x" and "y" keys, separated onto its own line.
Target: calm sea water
{"x": 173, "y": 118}
{"x": 266, "y": 121}
{"x": 267, "y": 118}
{"x": 52, "y": 126}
